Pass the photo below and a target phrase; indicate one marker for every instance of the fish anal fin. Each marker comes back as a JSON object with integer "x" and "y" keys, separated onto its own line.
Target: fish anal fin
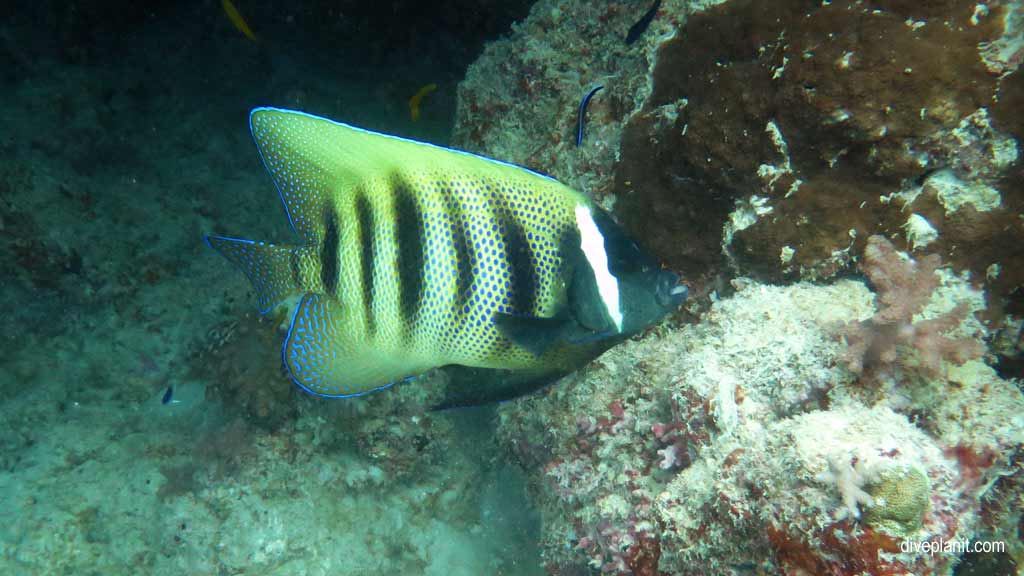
{"x": 326, "y": 356}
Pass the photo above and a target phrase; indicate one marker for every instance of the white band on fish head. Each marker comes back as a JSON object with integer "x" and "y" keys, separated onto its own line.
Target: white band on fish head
{"x": 592, "y": 244}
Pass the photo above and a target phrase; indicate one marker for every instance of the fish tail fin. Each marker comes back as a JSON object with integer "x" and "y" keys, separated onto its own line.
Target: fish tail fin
{"x": 268, "y": 267}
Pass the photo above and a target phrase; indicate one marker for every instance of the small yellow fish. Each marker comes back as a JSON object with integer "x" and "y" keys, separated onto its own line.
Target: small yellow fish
{"x": 414, "y": 102}
{"x": 236, "y": 18}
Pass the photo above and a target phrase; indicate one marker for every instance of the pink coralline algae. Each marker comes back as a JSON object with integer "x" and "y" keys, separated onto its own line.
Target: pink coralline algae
{"x": 623, "y": 537}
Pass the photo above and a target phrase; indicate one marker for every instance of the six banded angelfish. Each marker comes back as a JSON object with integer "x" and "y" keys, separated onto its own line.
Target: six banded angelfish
{"x": 412, "y": 256}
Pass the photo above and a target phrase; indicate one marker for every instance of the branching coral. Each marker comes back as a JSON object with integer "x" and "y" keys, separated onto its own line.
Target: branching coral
{"x": 891, "y": 338}
{"x": 850, "y": 477}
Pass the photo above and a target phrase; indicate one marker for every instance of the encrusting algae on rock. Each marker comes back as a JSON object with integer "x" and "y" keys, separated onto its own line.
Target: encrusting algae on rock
{"x": 806, "y": 428}
{"x": 750, "y": 480}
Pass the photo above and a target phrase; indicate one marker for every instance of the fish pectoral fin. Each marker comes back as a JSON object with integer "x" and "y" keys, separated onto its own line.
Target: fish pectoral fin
{"x": 533, "y": 333}
{"x": 326, "y": 356}
{"x": 584, "y": 337}
{"x": 537, "y": 335}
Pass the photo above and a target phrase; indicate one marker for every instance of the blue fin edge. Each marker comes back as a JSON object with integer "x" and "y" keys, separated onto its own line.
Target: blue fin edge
{"x": 291, "y": 376}
{"x": 206, "y": 240}
{"x": 365, "y": 131}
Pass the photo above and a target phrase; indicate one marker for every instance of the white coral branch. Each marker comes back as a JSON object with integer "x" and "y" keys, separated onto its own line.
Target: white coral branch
{"x": 850, "y": 479}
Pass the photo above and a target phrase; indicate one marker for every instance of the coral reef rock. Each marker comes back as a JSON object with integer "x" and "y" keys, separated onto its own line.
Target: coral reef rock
{"x": 770, "y": 139}
{"x": 810, "y": 126}
{"x": 745, "y": 442}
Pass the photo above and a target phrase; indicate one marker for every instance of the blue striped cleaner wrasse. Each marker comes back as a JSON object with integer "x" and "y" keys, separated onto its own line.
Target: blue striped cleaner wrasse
{"x": 582, "y": 115}
{"x": 411, "y": 256}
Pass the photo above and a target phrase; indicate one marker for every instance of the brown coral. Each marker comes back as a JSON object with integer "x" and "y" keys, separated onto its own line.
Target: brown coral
{"x": 891, "y": 338}
{"x": 823, "y": 110}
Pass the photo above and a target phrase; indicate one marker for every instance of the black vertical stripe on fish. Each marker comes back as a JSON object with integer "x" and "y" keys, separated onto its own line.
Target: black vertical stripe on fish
{"x": 364, "y": 216}
{"x": 582, "y": 114}
{"x": 569, "y": 247}
{"x": 517, "y": 254}
{"x": 410, "y": 237}
{"x": 637, "y": 30}
{"x": 293, "y": 265}
{"x": 462, "y": 244}
{"x": 329, "y": 253}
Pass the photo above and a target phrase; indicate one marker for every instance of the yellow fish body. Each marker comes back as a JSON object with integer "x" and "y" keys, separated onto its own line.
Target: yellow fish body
{"x": 236, "y": 18}
{"x": 413, "y": 256}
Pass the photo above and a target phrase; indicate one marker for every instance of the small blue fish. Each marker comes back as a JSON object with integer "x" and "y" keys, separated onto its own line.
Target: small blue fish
{"x": 168, "y": 397}
{"x": 581, "y": 116}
